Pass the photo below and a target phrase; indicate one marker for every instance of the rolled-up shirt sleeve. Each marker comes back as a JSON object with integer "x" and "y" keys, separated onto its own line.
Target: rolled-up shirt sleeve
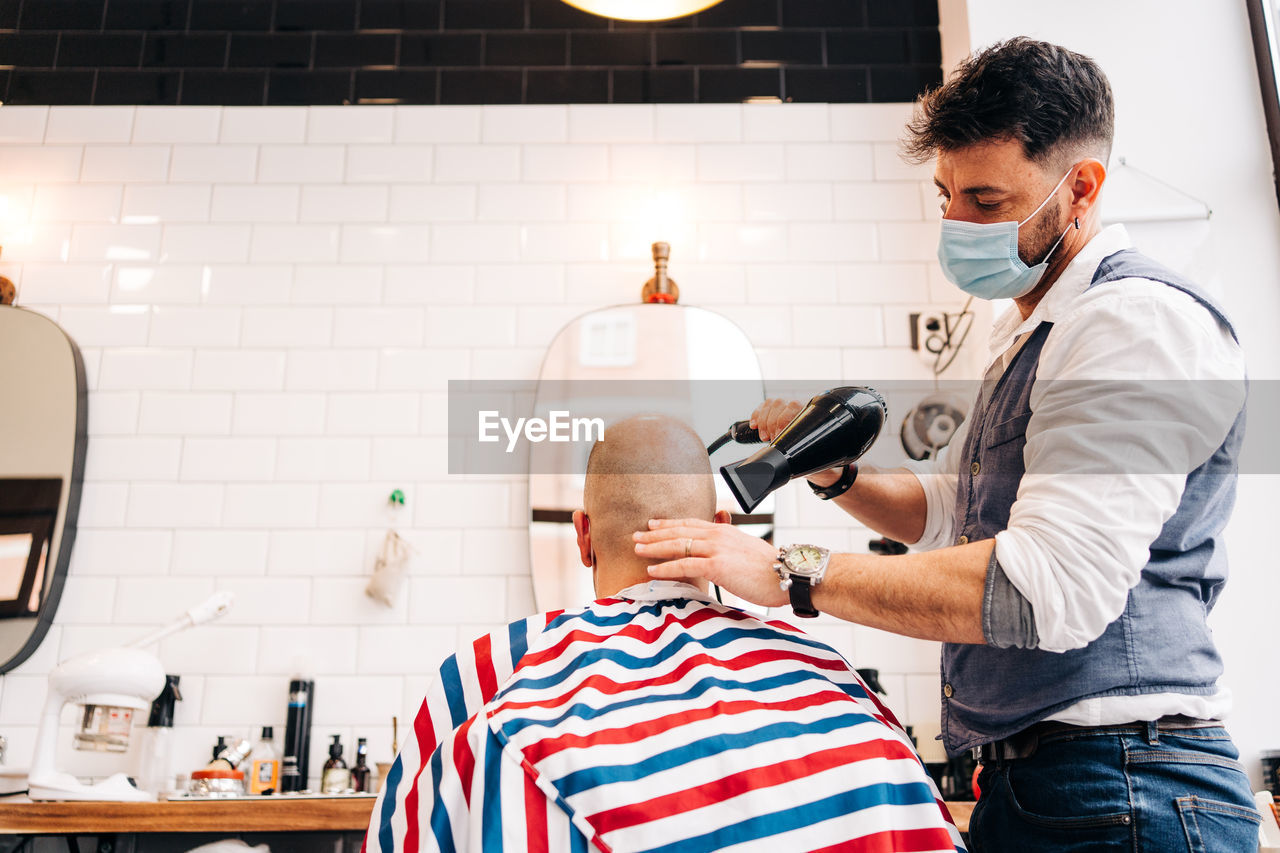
{"x": 1137, "y": 386}
{"x": 939, "y": 478}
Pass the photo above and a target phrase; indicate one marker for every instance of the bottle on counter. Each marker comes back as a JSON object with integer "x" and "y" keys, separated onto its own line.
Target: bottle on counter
{"x": 218, "y": 747}
{"x": 336, "y": 777}
{"x": 155, "y": 771}
{"x": 360, "y": 773}
{"x": 231, "y": 757}
{"x": 264, "y": 773}
{"x": 297, "y": 735}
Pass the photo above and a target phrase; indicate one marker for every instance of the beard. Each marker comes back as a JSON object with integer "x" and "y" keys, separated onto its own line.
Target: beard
{"x": 1045, "y": 231}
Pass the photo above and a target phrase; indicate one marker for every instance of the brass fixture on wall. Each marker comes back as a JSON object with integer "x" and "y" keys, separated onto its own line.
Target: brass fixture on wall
{"x": 660, "y": 288}
{"x": 642, "y": 10}
{"x": 8, "y": 290}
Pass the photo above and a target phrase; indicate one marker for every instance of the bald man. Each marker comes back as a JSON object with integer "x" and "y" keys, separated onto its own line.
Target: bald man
{"x": 653, "y": 718}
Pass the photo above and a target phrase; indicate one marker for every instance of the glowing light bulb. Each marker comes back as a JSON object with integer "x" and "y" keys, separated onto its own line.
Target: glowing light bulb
{"x": 642, "y": 10}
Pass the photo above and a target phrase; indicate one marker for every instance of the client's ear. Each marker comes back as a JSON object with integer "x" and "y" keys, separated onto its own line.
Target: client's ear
{"x": 582, "y": 527}
{"x": 722, "y": 516}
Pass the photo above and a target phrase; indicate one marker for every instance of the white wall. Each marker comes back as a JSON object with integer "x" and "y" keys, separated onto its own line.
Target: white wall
{"x": 270, "y": 302}
{"x": 1188, "y": 110}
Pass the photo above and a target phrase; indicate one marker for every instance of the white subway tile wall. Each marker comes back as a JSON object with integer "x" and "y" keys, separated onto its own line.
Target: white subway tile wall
{"x": 270, "y": 302}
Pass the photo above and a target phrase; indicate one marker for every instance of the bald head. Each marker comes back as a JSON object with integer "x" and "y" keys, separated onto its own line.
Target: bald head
{"x": 647, "y": 466}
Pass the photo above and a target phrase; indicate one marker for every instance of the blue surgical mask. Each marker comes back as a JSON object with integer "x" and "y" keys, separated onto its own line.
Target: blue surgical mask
{"x": 981, "y": 258}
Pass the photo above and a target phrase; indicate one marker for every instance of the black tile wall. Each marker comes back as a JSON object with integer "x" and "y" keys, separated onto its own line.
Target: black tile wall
{"x": 9, "y": 13}
{"x": 567, "y": 86}
{"x": 654, "y": 86}
{"x": 297, "y": 52}
{"x": 137, "y": 87}
{"x": 441, "y": 50}
{"x": 198, "y": 50}
{"x": 301, "y": 88}
{"x": 397, "y": 87}
{"x": 350, "y": 50}
{"x": 258, "y": 50}
{"x": 99, "y": 50}
{"x": 399, "y": 14}
{"x": 29, "y": 50}
{"x": 738, "y": 84}
{"x": 610, "y": 49}
{"x": 224, "y": 88}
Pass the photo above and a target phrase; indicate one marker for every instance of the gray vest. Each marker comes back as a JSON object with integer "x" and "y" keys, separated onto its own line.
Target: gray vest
{"x": 1160, "y": 643}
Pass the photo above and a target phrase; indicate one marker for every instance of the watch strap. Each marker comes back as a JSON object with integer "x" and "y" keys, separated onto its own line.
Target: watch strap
{"x": 801, "y": 599}
{"x": 839, "y": 487}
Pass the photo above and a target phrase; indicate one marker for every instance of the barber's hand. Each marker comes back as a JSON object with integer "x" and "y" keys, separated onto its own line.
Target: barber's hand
{"x": 720, "y": 553}
{"x": 773, "y": 415}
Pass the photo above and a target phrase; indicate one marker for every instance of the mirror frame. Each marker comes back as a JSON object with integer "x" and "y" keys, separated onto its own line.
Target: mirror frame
{"x": 1266, "y": 53}
{"x": 58, "y": 571}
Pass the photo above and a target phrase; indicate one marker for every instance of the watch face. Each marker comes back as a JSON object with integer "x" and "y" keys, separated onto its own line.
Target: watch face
{"x": 806, "y": 560}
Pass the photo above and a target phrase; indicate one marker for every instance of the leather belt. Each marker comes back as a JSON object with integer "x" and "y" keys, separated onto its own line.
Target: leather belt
{"x": 1025, "y": 743}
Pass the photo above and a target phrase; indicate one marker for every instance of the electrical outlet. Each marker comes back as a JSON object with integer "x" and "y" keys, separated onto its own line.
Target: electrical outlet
{"x": 929, "y": 335}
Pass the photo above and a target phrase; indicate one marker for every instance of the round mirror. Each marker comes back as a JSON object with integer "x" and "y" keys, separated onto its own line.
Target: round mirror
{"x": 43, "y": 413}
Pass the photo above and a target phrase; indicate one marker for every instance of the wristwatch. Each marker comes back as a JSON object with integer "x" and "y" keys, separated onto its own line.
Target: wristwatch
{"x": 839, "y": 487}
{"x": 800, "y": 568}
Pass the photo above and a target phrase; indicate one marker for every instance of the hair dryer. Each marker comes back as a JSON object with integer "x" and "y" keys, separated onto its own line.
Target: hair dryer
{"x": 834, "y": 429}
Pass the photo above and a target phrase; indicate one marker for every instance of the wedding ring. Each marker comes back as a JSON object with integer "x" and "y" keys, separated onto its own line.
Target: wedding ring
{"x": 688, "y": 548}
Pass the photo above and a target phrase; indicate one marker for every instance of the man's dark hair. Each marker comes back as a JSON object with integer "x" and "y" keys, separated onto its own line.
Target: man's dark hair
{"x": 1052, "y": 100}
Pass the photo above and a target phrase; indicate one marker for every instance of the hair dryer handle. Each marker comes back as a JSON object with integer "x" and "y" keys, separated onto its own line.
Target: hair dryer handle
{"x": 742, "y": 433}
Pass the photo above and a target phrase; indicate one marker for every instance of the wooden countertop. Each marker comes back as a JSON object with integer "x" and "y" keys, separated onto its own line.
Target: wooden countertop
{"x": 249, "y": 814}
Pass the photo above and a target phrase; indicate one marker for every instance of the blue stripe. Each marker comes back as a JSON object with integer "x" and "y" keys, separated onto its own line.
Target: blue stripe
{"x": 600, "y": 620}
{"x": 591, "y": 777}
{"x": 441, "y": 828}
{"x": 451, "y": 680}
{"x": 837, "y": 805}
{"x": 518, "y": 639}
{"x": 491, "y": 814}
{"x": 577, "y": 841}
{"x": 655, "y": 608}
{"x": 627, "y": 660}
{"x": 584, "y": 711}
{"x": 386, "y": 841}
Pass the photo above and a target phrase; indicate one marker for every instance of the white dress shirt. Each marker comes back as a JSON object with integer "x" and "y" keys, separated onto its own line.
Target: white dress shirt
{"x": 1076, "y": 542}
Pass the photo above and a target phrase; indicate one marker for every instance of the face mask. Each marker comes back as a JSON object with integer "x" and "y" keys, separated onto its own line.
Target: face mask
{"x": 981, "y": 258}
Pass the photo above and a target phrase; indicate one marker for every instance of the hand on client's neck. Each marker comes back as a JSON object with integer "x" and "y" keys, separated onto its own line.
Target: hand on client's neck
{"x": 614, "y": 575}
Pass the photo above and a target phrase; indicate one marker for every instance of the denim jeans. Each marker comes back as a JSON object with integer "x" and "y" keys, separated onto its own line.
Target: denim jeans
{"x": 1138, "y": 789}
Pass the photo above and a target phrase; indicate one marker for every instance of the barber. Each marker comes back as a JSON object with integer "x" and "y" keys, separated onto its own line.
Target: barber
{"x": 1068, "y": 542}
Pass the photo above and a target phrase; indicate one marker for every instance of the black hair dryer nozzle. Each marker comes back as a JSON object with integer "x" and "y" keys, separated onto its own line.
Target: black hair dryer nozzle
{"x": 834, "y": 429}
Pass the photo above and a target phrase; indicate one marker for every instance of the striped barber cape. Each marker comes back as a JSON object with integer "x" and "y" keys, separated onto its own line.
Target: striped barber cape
{"x": 655, "y": 720}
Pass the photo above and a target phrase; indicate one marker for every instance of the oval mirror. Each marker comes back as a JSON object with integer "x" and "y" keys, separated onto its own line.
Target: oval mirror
{"x": 620, "y": 361}
{"x": 43, "y": 414}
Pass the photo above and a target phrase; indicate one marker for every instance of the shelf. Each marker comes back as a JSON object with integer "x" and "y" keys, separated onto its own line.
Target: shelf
{"x": 248, "y": 814}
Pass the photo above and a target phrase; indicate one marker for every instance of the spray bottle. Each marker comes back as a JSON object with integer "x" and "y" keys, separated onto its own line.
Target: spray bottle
{"x": 155, "y": 773}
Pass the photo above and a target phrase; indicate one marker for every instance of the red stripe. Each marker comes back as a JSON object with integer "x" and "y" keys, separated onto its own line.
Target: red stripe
{"x": 639, "y": 731}
{"x": 742, "y": 782}
{"x": 631, "y": 629}
{"x": 895, "y": 841}
{"x": 484, "y": 668}
{"x": 608, "y": 686}
{"x": 425, "y": 735}
{"x": 552, "y": 615}
{"x": 535, "y": 816}
{"x": 463, "y": 758}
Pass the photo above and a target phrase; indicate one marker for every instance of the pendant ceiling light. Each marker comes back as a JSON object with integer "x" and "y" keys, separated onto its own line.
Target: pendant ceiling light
{"x": 642, "y": 10}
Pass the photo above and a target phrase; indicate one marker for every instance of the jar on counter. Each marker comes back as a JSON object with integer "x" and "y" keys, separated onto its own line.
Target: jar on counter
{"x": 216, "y": 782}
